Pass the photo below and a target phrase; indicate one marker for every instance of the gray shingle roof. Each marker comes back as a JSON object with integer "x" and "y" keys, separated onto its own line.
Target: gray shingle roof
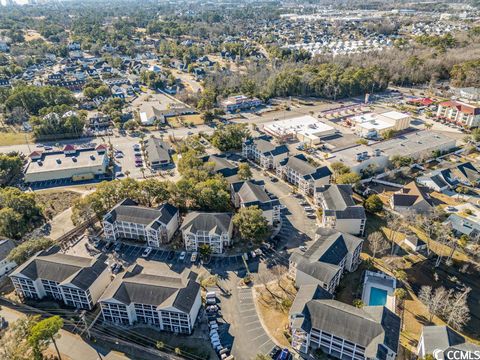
{"x": 129, "y": 211}
{"x": 440, "y": 337}
{"x": 299, "y": 164}
{"x": 251, "y": 192}
{"x": 62, "y": 268}
{"x": 214, "y": 223}
{"x": 321, "y": 271}
{"x": 332, "y": 246}
{"x": 145, "y": 283}
{"x": 369, "y": 327}
{"x": 157, "y": 150}
{"x": 6, "y": 245}
{"x": 339, "y": 202}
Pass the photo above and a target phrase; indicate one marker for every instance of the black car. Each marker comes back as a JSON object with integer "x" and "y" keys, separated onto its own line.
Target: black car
{"x": 275, "y": 351}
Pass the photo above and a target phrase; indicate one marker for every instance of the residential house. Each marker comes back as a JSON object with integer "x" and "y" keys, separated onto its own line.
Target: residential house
{"x": 212, "y": 229}
{"x": 339, "y": 210}
{"x": 449, "y": 178}
{"x": 414, "y": 243}
{"x": 6, "y": 245}
{"x": 263, "y": 152}
{"x": 460, "y": 113}
{"x": 149, "y": 293}
{"x": 77, "y": 281}
{"x": 412, "y": 197}
{"x": 154, "y": 226}
{"x": 442, "y": 340}
{"x": 345, "y": 331}
{"x": 250, "y": 193}
{"x": 299, "y": 172}
{"x": 157, "y": 153}
{"x": 325, "y": 261}
{"x": 464, "y": 219}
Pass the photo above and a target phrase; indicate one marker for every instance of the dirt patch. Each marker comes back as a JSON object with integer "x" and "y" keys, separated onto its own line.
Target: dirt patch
{"x": 273, "y": 302}
{"x": 56, "y": 201}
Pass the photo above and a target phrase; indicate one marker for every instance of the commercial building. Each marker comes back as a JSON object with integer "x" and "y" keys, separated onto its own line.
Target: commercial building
{"x": 6, "y": 245}
{"x": 262, "y": 151}
{"x": 77, "y": 281}
{"x": 128, "y": 220}
{"x": 70, "y": 164}
{"x": 443, "y": 340}
{"x": 157, "y": 153}
{"x": 240, "y": 102}
{"x": 460, "y": 113}
{"x": 371, "y": 125}
{"x": 306, "y": 129}
{"x": 250, "y": 193}
{"x": 345, "y": 331}
{"x": 150, "y": 293}
{"x": 212, "y": 229}
{"x": 339, "y": 210}
{"x": 299, "y": 172}
{"x": 325, "y": 261}
{"x": 418, "y": 145}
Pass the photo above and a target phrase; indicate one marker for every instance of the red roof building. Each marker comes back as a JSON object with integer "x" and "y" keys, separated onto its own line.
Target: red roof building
{"x": 461, "y": 113}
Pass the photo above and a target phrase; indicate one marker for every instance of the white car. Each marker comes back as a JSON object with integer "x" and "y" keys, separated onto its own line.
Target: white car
{"x": 303, "y": 248}
{"x": 147, "y": 252}
{"x": 194, "y": 257}
{"x": 182, "y": 255}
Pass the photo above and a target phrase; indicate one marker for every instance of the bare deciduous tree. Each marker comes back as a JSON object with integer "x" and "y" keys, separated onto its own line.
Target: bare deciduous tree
{"x": 457, "y": 313}
{"x": 377, "y": 243}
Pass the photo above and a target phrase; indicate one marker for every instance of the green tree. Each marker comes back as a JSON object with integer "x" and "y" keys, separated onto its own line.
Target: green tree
{"x": 244, "y": 171}
{"x": 205, "y": 250}
{"x": 28, "y": 248}
{"x": 229, "y": 137}
{"x": 348, "y": 178}
{"x": 251, "y": 224}
{"x": 358, "y": 303}
{"x": 373, "y": 204}
{"x": 14, "y": 344}
{"x": 43, "y": 333}
{"x": 338, "y": 168}
{"x": 11, "y": 166}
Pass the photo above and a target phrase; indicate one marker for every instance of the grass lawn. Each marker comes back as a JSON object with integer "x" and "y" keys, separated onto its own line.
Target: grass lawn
{"x": 195, "y": 119}
{"x": 15, "y": 138}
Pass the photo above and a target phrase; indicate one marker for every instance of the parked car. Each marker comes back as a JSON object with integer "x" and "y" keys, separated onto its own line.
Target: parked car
{"x": 136, "y": 147}
{"x": 211, "y": 301}
{"x": 194, "y": 257}
{"x": 182, "y": 255}
{"x": 211, "y": 295}
{"x": 284, "y": 355}
{"x": 147, "y": 252}
{"x": 118, "y": 267}
{"x": 273, "y": 179}
{"x": 303, "y": 248}
{"x": 118, "y": 247}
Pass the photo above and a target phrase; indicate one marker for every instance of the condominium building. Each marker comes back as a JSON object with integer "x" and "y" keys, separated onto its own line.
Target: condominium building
{"x": 250, "y": 193}
{"x": 77, "y": 281}
{"x": 154, "y": 226}
{"x": 6, "y": 245}
{"x": 212, "y": 229}
{"x": 262, "y": 151}
{"x": 461, "y": 113}
{"x": 345, "y": 331}
{"x": 339, "y": 210}
{"x": 325, "y": 261}
{"x": 299, "y": 172}
{"x": 158, "y": 153}
{"x": 221, "y": 165}
{"x": 152, "y": 294}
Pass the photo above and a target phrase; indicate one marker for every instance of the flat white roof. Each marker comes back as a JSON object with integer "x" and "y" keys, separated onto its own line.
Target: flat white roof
{"x": 395, "y": 115}
{"x": 83, "y": 159}
{"x": 305, "y": 125}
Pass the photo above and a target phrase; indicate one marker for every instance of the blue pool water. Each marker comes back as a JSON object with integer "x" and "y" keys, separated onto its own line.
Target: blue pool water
{"x": 377, "y": 297}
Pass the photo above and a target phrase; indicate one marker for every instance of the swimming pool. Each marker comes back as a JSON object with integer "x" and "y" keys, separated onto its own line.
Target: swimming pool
{"x": 377, "y": 297}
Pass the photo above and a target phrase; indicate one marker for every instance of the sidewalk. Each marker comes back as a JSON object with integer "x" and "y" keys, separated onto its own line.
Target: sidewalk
{"x": 72, "y": 347}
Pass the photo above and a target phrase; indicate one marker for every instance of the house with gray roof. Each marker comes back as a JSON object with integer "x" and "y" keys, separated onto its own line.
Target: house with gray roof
{"x": 152, "y": 294}
{"x": 252, "y": 193}
{"x": 441, "y": 337}
{"x": 128, "y": 220}
{"x": 77, "y": 281}
{"x": 345, "y": 331}
{"x": 339, "y": 210}
{"x": 299, "y": 172}
{"x": 221, "y": 165}
{"x": 450, "y": 177}
{"x": 157, "y": 153}
{"x": 412, "y": 198}
{"x": 205, "y": 228}
{"x": 6, "y": 245}
{"x": 325, "y": 261}
{"x": 264, "y": 152}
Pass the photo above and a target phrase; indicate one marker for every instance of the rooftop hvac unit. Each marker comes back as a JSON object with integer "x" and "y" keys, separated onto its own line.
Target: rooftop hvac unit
{"x": 74, "y": 159}
{"x": 92, "y": 157}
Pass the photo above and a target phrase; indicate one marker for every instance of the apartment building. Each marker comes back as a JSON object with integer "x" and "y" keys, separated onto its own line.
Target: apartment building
{"x": 461, "y": 113}
{"x": 152, "y": 294}
{"x": 212, "y": 229}
{"x": 154, "y": 226}
{"x": 345, "y": 331}
{"x": 263, "y": 152}
{"x": 221, "y": 165}
{"x": 299, "y": 172}
{"x": 325, "y": 261}
{"x": 158, "y": 153}
{"x": 77, "y": 281}
{"x": 339, "y": 210}
{"x": 6, "y": 245}
{"x": 250, "y": 193}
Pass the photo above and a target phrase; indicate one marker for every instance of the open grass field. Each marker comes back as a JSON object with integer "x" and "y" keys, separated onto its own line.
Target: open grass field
{"x": 176, "y": 122}
{"x": 15, "y": 138}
